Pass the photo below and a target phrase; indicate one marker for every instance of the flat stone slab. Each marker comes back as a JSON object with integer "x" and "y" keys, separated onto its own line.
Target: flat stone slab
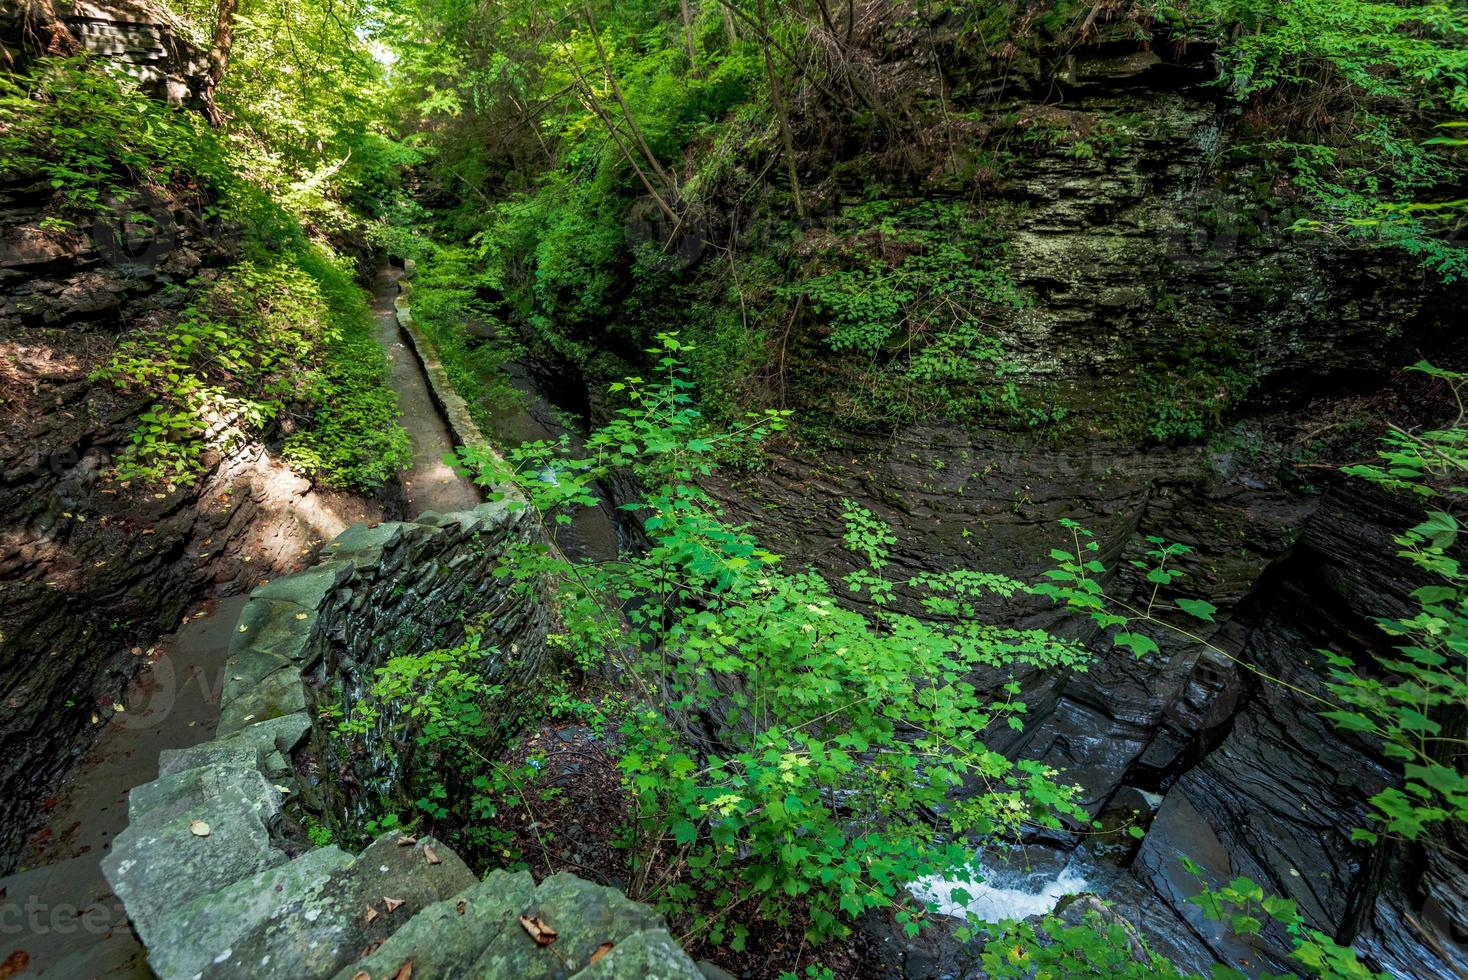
{"x": 648, "y": 955}
{"x": 318, "y": 933}
{"x": 156, "y": 865}
{"x": 445, "y": 939}
{"x": 193, "y": 936}
{"x": 583, "y": 914}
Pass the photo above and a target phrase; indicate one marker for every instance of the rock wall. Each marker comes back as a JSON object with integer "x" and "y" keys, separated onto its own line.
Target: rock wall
{"x": 1154, "y": 256}
{"x": 142, "y": 39}
{"x": 91, "y": 568}
{"x": 212, "y": 869}
{"x": 309, "y": 645}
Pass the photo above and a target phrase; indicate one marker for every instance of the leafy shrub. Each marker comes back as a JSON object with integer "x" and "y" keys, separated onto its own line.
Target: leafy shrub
{"x": 261, "y": 342}
{"x": 97, "y": 140}
{"x": 826, "y": 737}
{"x": 1343, "y": 87}
{"x": 912, "y": 306}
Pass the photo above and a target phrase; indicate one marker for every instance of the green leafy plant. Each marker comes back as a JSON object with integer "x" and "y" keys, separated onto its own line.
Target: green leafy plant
{"x": 764, "y": 745}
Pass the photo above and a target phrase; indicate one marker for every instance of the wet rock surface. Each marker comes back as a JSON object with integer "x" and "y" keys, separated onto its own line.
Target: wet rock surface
{"x": 1236, "y": 772}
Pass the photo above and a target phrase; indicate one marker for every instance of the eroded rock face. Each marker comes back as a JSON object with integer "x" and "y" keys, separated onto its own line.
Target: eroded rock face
{"x": 91, "y": 568}
{"x": 142, "y": 39}
{"x": 1133, "y": 271}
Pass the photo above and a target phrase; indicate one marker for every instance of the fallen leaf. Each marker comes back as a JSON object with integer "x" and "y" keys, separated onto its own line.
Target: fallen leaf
{"x": 361, "y": 975}
{"x": 15, "y": 964}
{"x": 600, "y": 951}
{"x": 429, "y": 856}
{"x": 461, "y": 906}
{"x": 300, "y": 615}
{"x": 543, "y": 934}
{"x": 117, "y": 707}
{"x": 199, "y": 828}
{"x": 407, "y": 841}
{"x": 405, "y": 972}
{"x": 393, "y": 904}
{"x": 136, "y": 651}
{"x": 370, "y": 916}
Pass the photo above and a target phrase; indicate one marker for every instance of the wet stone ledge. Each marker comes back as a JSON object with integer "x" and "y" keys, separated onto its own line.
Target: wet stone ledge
{"x": 211, "y": 880}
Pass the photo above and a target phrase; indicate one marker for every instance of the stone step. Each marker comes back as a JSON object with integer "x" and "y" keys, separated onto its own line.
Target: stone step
{"x": 192, "y": 936}
{"x": 585, "y": 916}
{"x": 651, "y": 954}
{"x": 169, "y": 798}
{"x": 478, "y": 934}
{"x": 264, "y": 745}
{"x": 160, "y": 861}
{"x": 344, "y": 917}
{"x": 445, "y": 939}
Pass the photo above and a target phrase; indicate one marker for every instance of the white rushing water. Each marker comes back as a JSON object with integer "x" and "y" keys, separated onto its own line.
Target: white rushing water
{"x": 1006, "y": 891}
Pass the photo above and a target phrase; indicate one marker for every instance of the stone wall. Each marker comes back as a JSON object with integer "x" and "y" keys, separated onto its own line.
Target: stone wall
{"x": 213, "y": 878}
{"x": 312, "y": 642}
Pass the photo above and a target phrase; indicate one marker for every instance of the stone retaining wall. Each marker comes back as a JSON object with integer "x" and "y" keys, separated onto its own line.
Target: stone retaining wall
{"x": 450, "y": 403}
{"x": 215, "y": 884}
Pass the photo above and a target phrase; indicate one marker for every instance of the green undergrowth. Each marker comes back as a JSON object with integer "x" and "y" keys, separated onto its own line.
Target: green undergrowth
{"x": 1347, "y": 98}
{"x": 277, "y": 342}
{"x": 894, "y": 310}
{"x": 905, "y": 301}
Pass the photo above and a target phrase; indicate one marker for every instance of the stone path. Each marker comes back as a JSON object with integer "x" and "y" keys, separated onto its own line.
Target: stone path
{"x": 431, "y": 484}
{"x": 59, "y": 917}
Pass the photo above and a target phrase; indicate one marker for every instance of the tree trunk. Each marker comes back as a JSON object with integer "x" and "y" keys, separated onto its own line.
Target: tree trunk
{"x": 633, "y": 128}
{"x": 777, "y": 100}
{"x": 219, "y": 51}
{"x": 41, "y": 16}
{"x": 729, "y": 30}
{"x": 687, "y": 9}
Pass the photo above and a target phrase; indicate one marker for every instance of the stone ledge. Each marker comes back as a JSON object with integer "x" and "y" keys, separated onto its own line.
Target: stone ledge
{"x": 204, "y": 869}
{"x": 450, "y": 403}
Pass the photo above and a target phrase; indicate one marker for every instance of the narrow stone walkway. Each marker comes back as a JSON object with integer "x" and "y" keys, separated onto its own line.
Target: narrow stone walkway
{"x": 431, "y": 484}
{"x": 58, "y": 916}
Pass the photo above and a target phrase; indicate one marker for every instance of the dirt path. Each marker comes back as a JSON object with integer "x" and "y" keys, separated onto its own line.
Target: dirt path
{"x": 431, "y": 484}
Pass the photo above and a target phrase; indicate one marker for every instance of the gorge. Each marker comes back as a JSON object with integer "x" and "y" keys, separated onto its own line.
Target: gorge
{"x": 934, "y": 458}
